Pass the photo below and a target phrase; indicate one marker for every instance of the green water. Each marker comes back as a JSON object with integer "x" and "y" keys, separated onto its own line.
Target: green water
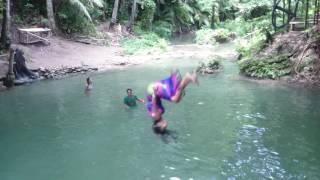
{"x": 226, "y": 129}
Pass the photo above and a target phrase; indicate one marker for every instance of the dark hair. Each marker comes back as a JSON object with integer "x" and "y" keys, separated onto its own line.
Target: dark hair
{"x": 129, "y": 90}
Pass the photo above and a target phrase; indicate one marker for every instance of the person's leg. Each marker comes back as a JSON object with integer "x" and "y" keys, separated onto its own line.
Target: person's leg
{"x": 187, "y": 79}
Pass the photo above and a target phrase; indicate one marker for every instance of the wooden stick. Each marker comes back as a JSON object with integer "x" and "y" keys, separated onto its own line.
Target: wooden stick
{"x": 44, "y": 39}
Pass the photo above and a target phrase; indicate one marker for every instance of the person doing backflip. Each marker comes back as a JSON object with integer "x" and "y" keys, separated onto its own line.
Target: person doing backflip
{"x": 171, "y": 89}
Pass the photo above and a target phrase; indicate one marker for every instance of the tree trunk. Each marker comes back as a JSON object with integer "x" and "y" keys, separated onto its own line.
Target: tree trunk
{"x": 283, "y": 14}
{"x": 315, "y": 12}
{"x": 50, "y": 15}
{"x": 9, "y": 81}
{"x": 133, "y": 15}
{"x": 290, "y": 16}
{"x": 274, "y": 14}
{"x": 6, "y": 25}
{"x": 212, "y": 17}
{"x": 318, "y": 8}
{"x": 114, "y": 13}
{"x": 306, "y": 24}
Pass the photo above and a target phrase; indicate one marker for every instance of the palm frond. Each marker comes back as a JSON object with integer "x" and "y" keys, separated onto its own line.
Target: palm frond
{"x": 98, "y": 3}
{"x": 82, "y": 8}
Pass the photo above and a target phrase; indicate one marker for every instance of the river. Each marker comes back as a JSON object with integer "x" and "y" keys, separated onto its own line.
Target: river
{"x": 227, "y": 128}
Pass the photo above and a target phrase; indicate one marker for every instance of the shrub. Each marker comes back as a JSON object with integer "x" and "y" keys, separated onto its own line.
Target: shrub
{"x": 271, "y": 67}
{"x": 209, "y": 36}
{"x": 163, "y": 29}
{"x": 251, "y": 44}
{"x": 221, "y": 35}
{"x": 205, "y": 36}
{"x": 144, "y": 42}
{"x": 242, "y": 27}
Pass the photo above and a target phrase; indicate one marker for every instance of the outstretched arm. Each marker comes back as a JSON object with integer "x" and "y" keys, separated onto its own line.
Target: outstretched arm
{"x": 140, "y": 100}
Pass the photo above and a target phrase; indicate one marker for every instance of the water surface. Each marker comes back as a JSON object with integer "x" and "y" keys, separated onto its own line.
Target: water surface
{"x": 226, "y": 129}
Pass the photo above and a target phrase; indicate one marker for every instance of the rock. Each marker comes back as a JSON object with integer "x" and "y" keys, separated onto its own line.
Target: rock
{"x": 239, "y": 56}
{"x": 209, "y": 71}
{"x": 285, "y": 78}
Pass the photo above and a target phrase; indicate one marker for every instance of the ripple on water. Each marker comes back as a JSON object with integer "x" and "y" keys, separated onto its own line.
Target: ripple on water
{"x": 255, "y": 116}
{"x": 252, "y": 158}
{"x": 174, "y": 178}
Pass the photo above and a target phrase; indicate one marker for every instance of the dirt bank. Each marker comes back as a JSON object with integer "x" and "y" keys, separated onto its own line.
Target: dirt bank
{"x": 65, "y": 53}
{"x": 293, "y": 56}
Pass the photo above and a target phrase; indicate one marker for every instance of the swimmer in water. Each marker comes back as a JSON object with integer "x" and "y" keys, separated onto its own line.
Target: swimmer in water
{"x": 171, "y": 89}
{"x": 131, "y": 100}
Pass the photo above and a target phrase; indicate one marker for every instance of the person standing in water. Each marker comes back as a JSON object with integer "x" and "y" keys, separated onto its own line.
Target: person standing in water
{"x": 131, "y": 100}
{"x": 89, "y": 84}
{"x": 171, "y": 89}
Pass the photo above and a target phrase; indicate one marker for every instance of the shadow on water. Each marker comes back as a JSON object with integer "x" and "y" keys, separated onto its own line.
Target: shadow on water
{"x": 168, "y": 136}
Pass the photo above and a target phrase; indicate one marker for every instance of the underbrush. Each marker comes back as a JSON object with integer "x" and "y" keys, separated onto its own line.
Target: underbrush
{"x": 251, "y": 44}
{"x": 271, "y": 67}
{"x": 144, "y": 42}
{"x": 242, "y": 27}
{"x": 210, "y": 36}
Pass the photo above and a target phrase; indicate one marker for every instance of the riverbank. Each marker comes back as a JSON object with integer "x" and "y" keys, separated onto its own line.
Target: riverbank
{"x": 63, "y": 57}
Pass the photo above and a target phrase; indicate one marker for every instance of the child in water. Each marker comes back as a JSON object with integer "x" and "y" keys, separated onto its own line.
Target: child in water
{"x": 171, "y": 89}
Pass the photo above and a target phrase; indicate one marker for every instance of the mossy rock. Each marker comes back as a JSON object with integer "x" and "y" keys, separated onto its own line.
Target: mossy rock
{"x": 211, "y": 67}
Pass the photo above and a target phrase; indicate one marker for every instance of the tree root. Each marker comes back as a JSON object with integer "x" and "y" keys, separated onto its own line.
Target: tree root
{"x": 307, "y": 47}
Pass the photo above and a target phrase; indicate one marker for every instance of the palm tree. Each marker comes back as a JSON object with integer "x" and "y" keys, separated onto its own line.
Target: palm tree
{"x": 50, "y": 13}
{"x": 82, "y": 7}
{"x": 114, "y": 13}
{"x": 133, "y": 14}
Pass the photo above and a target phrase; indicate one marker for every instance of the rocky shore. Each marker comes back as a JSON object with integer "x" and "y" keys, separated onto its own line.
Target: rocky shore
{"x": 57, "y": 73}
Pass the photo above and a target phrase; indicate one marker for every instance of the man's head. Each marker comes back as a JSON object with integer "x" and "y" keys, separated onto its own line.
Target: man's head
{"x": 129, "y": 92}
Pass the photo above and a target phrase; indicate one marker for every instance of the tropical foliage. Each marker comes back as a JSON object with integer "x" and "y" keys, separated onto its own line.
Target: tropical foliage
{"x": 144, "y": 43}
{"x": 214, "y": 19}
{"x": 269, "y": 67}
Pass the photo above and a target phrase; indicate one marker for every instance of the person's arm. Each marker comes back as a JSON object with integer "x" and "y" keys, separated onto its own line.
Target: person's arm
{"x": 154, "y": 104}
{"x": 155, "y": 100}
{"x": 140, "y": 100}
